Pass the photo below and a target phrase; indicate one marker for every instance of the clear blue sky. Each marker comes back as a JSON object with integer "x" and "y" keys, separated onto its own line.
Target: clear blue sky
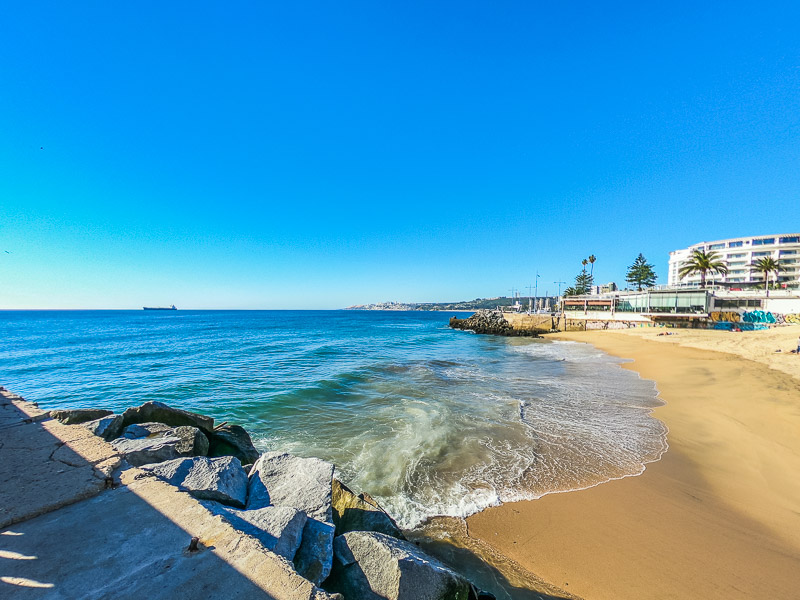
{"x": 316, "y": 155}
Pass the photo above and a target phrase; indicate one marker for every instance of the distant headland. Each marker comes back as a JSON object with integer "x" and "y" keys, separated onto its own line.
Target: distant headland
{"x": 464, "y": 305}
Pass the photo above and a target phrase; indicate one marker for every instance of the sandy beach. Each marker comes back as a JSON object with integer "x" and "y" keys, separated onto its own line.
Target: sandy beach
{"x": 718, "y": 516}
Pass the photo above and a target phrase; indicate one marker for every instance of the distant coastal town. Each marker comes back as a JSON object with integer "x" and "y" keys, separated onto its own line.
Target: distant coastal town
{"x": 500, "y": 302}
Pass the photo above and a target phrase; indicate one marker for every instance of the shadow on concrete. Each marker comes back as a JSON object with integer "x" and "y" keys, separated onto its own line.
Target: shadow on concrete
{"x": 113, "y": 544}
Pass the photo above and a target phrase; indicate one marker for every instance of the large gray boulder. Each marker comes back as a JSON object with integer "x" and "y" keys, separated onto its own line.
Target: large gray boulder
{"x": 375, "y": 566}
{"x": 142, "y": 430}
{"x": 278, "y": 528}
{"x": 159, "y": 443}
{"x": 280, "y": 479}
{"x": 77, "y": 416}
{"x": 108, "y": 427}
{"x": 314, "y": 558}
{"x": 360, "y": 513}
{"x": 233, "y": 440}
{"x": 144, "y": 451}
{"x": 220, "y": 479}
{"x": 161, "y": 413}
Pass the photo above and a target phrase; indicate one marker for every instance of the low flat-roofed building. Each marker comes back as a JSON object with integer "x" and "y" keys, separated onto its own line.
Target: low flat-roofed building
{"x": 677, "y": 302}
{"x": 678, "y": 306}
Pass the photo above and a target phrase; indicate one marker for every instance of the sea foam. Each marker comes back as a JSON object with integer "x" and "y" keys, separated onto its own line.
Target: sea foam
{"x": 428, "y": 420}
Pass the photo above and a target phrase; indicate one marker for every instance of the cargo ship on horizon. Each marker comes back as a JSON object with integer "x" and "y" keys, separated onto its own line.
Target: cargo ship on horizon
{"x": 159, "y": 307}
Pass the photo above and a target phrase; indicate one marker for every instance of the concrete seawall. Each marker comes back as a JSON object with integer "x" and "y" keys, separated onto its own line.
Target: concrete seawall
{"x": 70, "y": 528}
{"x": 533, "y": 323}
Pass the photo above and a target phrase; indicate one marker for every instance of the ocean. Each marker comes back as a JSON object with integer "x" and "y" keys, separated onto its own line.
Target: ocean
{"x": 428, "y": 420}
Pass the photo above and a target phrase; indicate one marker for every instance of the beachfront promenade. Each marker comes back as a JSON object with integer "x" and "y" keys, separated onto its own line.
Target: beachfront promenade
{"x": 67, "y": 530}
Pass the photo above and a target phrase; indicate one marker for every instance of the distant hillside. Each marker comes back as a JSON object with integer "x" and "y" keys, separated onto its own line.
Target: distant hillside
{"x": 464, "y": 305}
{"x": 475, "y": 304}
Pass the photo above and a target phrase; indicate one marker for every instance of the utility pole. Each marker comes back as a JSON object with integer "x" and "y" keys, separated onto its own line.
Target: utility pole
{"x": 562, "y": 303}
{"x": 530, "y": 298}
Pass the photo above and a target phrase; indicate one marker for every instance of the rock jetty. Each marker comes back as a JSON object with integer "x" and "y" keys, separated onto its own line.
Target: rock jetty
{"x": 489, "y": 322}
{"x": 340, "y": 544}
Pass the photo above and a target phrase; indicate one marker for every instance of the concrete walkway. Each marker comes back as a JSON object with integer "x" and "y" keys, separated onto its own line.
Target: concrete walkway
{"x": 68, "y": 531}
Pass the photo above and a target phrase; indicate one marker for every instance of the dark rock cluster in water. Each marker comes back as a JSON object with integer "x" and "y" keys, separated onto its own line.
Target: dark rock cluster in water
{"x": 490, "y": 322}
{"x": 343, "y": 542}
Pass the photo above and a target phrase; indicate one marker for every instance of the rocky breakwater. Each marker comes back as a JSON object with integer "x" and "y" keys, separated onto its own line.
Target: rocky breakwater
{"x": 341, "y": 541}
{"x": 490, "y": 322}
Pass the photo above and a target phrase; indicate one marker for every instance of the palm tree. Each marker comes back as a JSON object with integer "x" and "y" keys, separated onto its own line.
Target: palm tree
{"x": 591, "y": 260}
{"x": 702, "y": 262}
{"x": 766, "y": 266}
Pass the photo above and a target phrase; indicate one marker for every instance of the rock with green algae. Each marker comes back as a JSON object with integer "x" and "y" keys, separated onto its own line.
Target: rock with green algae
{"x": 360, "y": 512}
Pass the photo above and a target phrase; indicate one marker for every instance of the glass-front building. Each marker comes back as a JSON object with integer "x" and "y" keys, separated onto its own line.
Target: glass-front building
{"x": 655, "y": 302}
{"x": 667, "y": 302}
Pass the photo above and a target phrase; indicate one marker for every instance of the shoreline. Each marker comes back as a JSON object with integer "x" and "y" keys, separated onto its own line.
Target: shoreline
{"x": 154, "y": 478}
{"x": 715, "y": 517}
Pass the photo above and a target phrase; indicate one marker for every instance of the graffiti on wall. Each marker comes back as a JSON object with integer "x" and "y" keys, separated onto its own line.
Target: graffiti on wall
{"x": 750, "y": 320}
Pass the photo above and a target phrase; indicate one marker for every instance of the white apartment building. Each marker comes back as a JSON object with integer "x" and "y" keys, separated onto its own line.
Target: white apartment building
{"x": 739, "y": 254}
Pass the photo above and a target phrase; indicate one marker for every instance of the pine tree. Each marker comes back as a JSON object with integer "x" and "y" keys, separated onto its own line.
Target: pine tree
{"x": 583, "y": 282}
{"x": 641, "y": 273}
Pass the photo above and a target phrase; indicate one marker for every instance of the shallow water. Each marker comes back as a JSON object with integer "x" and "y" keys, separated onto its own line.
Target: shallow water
{"x": 429, "y": 420}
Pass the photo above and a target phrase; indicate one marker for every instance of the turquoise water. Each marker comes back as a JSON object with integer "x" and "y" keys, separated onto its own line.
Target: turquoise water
{"x": 429, "y": 420}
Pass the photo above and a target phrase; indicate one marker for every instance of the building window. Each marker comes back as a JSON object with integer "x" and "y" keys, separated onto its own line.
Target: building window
{"x": 716, "y": 246}
{"x": 787, "y": 252}
{"x": 719, "y": 303}
{"x": 730, "y": 256}
{"x": 763, "y": 241}
{"x": 794, "y": 239}
{"x": 735, "y": 244}
{"x": 762, "y": 254}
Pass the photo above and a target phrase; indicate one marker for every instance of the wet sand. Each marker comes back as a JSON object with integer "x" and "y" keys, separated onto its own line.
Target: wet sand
{"x": 717, "y": 517}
